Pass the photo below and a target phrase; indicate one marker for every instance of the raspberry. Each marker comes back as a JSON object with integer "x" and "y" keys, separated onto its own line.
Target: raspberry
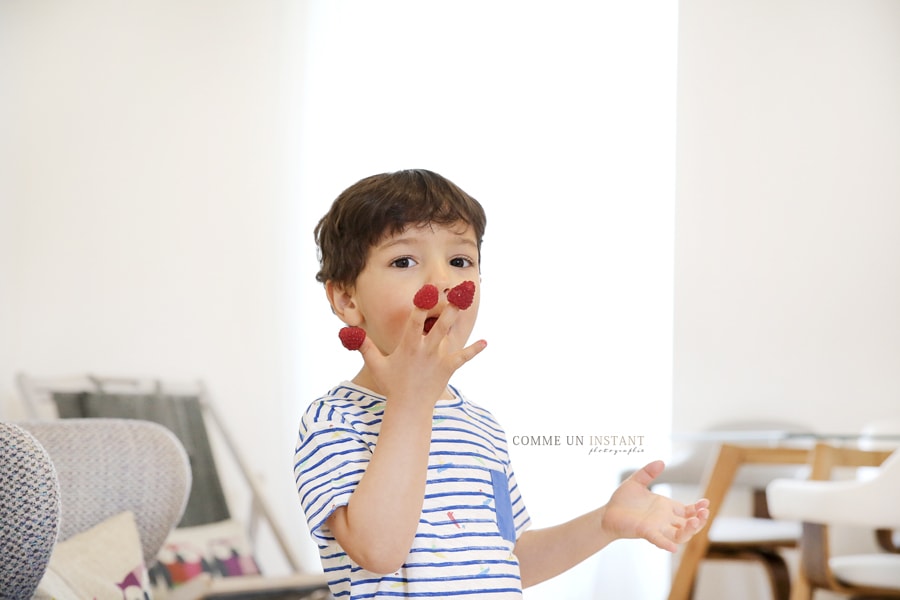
{"x": 462, "y": 295}
{"x": 352, "y": 337}
{"x": 427, "y": 297}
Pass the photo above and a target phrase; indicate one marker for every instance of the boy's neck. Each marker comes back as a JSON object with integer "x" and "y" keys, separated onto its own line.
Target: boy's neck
{"x": 365, "y": 379}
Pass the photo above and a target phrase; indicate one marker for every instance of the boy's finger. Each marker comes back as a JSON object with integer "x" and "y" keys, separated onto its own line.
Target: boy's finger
{"x": 415, "y": 325}
{"x": 446, "y": 319}
{"x": 369, "y": 350}
{"x": 650, "y": 472}
{"x": 470, "y": 352}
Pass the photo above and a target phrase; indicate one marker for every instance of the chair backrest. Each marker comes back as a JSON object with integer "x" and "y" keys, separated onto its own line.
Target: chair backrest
{"x": 882, "y": 498}
{"x": 182, "y": 414}
{"x": 107, "y": 466}
{"x": 29, "y": 511}
{"x": 178, "y": 406}
{"x": 883, "y": 434}
{"x": 694, "y": 454}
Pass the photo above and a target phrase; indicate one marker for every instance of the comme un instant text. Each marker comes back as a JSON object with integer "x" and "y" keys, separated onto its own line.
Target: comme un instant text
{"x": 578, "y": 440}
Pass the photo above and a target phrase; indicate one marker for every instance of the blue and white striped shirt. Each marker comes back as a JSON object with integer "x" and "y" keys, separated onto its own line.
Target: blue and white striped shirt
{"x": 472, "y": 512}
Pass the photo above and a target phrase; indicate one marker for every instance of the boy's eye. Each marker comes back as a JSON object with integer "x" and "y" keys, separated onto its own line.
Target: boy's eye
{"x": 404, "y": 262}
{"x": 461, "y": 262}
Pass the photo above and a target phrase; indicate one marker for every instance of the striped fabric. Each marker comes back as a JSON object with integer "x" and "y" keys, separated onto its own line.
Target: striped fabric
{"x": 472, "y": 513}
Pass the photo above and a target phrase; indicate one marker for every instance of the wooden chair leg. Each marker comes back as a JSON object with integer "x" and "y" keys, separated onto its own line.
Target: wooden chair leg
{"x": 801, "y": 589}
{"x": 779, "y": 576}
{"x": 772, "y": 561}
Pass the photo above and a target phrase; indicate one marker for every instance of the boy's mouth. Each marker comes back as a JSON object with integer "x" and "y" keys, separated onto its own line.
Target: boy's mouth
{"x": 429, "y": 323}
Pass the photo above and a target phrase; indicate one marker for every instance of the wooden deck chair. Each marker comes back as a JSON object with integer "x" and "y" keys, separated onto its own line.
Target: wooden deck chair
{"x": 208, "y": 542}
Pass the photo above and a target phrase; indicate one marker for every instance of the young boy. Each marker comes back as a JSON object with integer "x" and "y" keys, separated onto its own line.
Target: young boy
{"x": 407, "y": 485}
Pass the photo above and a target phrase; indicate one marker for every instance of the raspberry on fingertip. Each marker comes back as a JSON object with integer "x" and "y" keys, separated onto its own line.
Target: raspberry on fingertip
{"x": 427, "y": 297}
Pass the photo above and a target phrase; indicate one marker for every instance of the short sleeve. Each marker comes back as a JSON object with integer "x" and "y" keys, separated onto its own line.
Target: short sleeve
{"x": 330, "y": 459}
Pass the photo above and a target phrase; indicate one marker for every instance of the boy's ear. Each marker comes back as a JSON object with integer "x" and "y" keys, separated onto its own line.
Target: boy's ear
{"x": 341, "y": 299}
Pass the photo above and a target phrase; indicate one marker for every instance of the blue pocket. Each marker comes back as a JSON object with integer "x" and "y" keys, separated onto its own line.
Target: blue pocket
{"x": 503, "y": 505}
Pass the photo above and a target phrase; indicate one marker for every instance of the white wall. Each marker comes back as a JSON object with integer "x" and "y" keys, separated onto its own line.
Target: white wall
{"x": 143, "y": 212}
{"x": 787, "y": 289}
{"x": 787, "y": 271}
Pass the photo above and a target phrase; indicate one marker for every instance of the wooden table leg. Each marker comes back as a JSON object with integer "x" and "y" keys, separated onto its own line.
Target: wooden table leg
{"x": 800, "y": 588}
{"x": 717, "y": 484}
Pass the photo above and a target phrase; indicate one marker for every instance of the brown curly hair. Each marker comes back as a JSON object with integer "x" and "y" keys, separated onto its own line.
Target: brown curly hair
{"x": 384, "y": 205}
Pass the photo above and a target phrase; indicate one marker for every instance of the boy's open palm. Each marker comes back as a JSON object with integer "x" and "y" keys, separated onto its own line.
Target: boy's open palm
{"x": 634, "y": 511}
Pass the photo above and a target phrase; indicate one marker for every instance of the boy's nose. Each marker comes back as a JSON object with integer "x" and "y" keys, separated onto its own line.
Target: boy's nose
{"x": 441, "y": 279}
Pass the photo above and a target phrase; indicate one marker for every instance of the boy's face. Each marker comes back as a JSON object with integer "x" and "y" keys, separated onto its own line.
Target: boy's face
{"x": 397, "y": 267}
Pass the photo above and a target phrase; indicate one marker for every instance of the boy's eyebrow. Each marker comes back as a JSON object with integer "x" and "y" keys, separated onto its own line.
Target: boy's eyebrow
{"x": 396, "y": 241}
{"x": 469, "y": 242}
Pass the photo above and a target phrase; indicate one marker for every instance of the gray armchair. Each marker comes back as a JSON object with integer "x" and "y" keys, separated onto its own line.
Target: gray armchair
{"x": 59, "y": 479}
{"x": 29, "y": 511}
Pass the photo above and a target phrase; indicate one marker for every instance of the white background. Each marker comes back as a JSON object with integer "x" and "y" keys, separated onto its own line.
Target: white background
{"x": 570, "y": 149}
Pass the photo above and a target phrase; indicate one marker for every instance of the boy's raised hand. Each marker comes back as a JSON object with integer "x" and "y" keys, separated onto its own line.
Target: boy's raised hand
{"x": 428, "y": 354}
{"x": 634, "y": 511}
{"x": 378, "y": 526}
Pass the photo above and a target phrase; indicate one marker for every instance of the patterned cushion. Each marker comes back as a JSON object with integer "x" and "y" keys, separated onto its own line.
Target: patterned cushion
{"x": 219, "y": 549}
{"x": 103, "y": 562}
{"x": 29, "y": 511}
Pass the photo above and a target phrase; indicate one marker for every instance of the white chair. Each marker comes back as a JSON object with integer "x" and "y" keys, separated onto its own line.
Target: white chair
{"x": 883, "y": 434}
{"x": 872, "y": 503}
